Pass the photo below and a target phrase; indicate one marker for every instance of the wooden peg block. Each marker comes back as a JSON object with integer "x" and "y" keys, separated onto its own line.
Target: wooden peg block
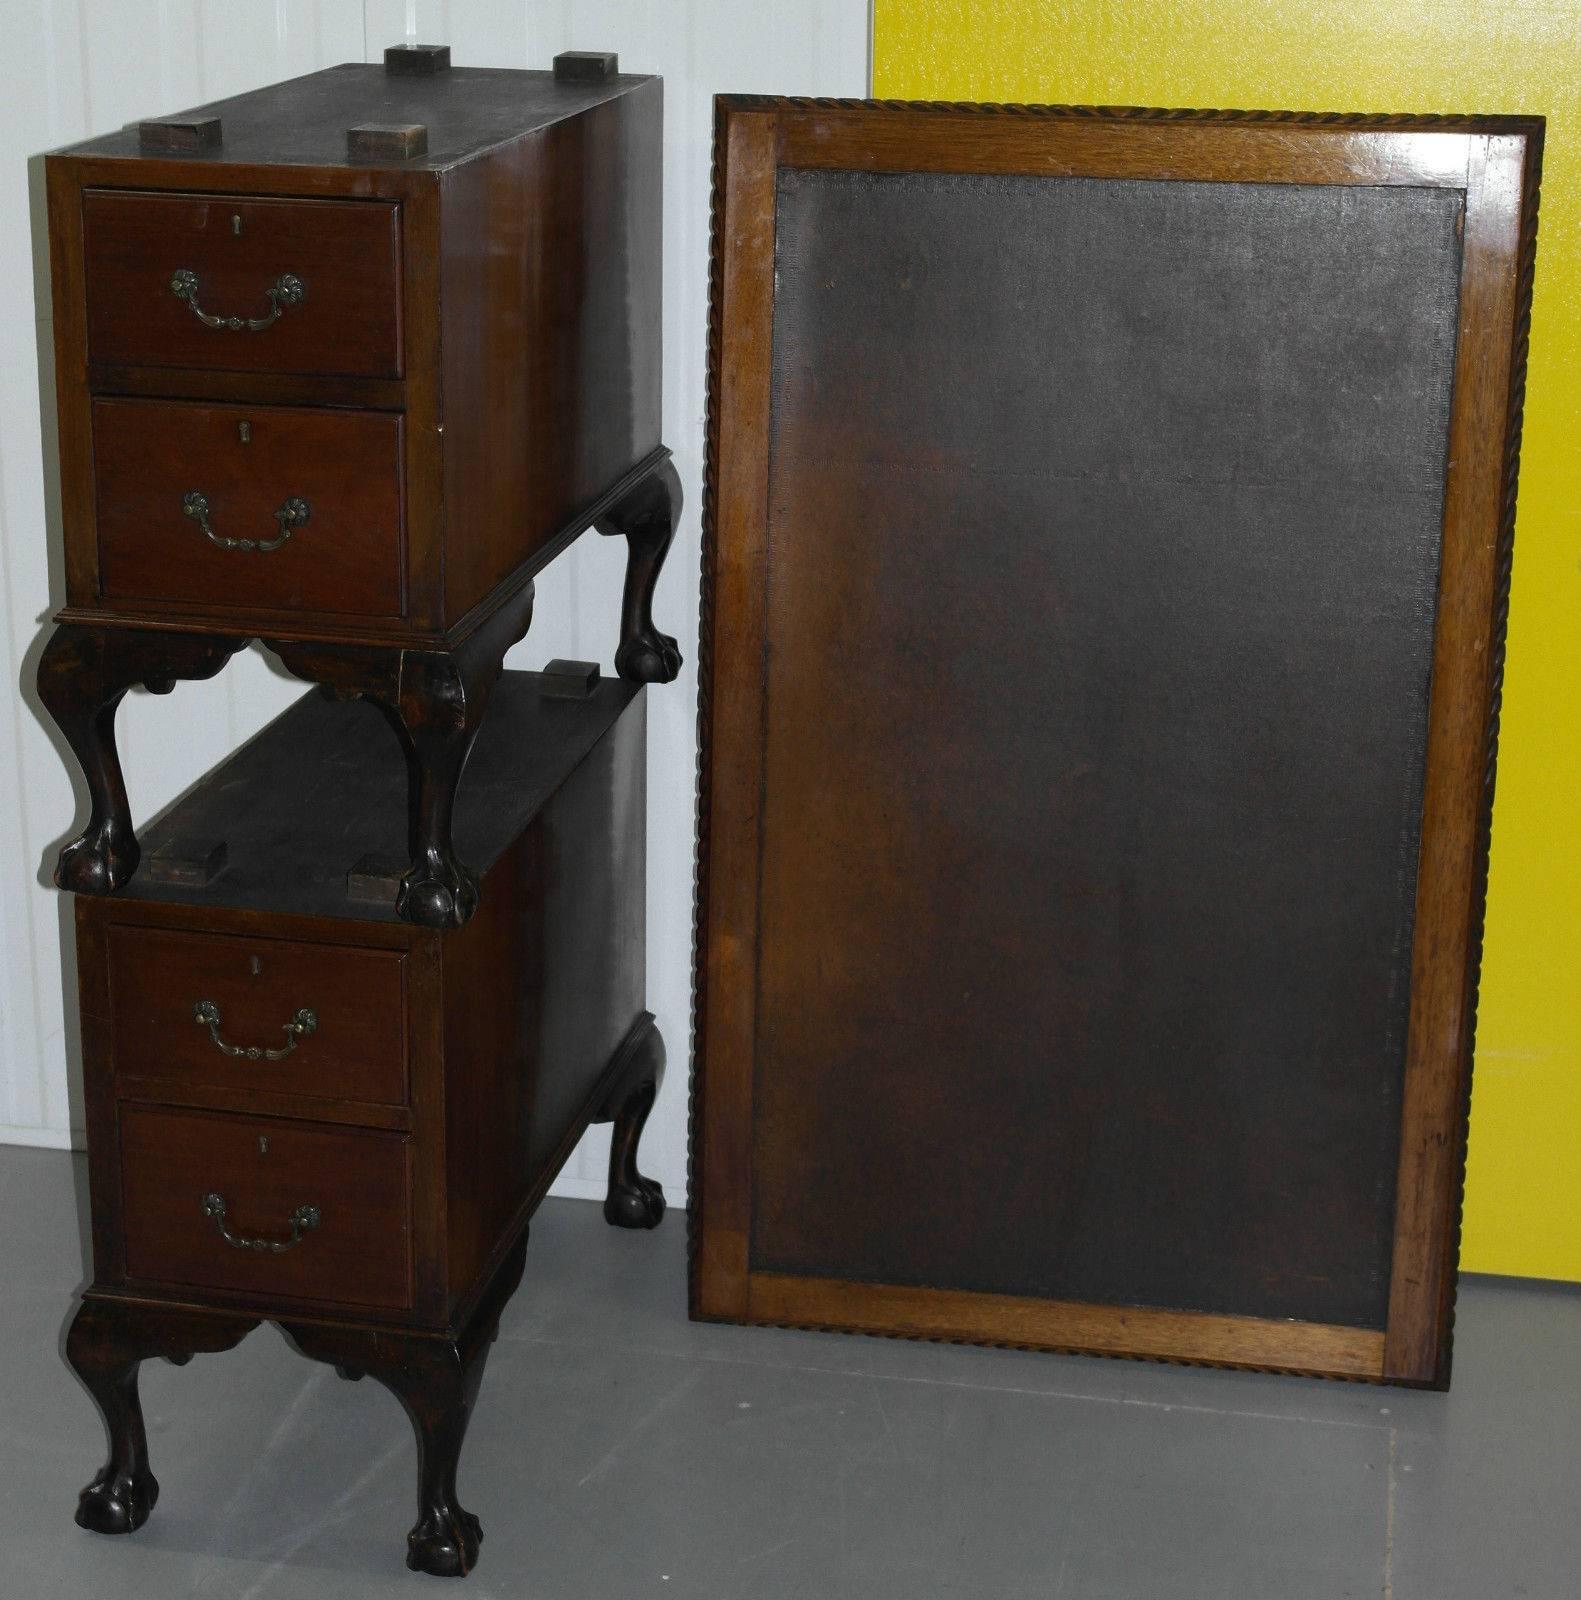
{"x": 179, "y": 134}
{"x": 568, "y": 680}
{"x": 387, "y": 141}
{"x": 417, "y": 60}
{"x": 375, "y": 880}
{"x": 586, "y": 66}
{"x": 186, "y": 860}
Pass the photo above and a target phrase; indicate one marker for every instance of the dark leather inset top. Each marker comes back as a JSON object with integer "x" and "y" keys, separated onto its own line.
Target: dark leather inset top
{"x": 1105, "y": 525}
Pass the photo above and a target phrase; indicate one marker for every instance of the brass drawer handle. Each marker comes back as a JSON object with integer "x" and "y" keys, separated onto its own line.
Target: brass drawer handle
{"x": 207, "y": 1015}
{"x": 290, "y": 516}
{"x": 303, "y": 1220}
{"x": 286, "y": 290}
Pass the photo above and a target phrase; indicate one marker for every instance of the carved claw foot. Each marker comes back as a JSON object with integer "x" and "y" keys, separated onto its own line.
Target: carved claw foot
{"x": 118, "y": 1500}
{"x": 437, "y": 893}
{"x": 648, "y": 656}
{"x": 438, "y": 697}
{"x": 633, "y": 1201}
{"x": 105, "y": 1346}
{"x": 436, "y": 1378}
{"x": 637, "y": 1204}
{"x": 83, "y": 675}
{"x": 445, "y": 1542}
{"x": 647, "y": 517}
{"x": 100, "y": 861}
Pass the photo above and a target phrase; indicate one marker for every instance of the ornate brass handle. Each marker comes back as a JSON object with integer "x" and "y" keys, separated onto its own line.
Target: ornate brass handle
{"x": 303, "y": 1220}
{"x": 286, "y": 290}
{"x": 289, "y": 517}
{"x": 207, "y": 1015}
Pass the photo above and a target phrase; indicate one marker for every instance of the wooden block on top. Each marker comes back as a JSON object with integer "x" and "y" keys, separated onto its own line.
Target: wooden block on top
{"x": 396, "y": 141}
{"x": 568, "y": 680}
{"x": 417, "y": 60}
{"x": 586, "y": 66}
{"x": 180, "y": 134}
{"x": 188, "y": 859}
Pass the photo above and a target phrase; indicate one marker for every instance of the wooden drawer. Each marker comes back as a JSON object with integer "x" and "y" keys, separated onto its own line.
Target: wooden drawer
{"x": 309, "y": 501}
{"x": 342, "y": 255}
{"x": 352, "y": 1248}
{"x": 355, "y": 1051}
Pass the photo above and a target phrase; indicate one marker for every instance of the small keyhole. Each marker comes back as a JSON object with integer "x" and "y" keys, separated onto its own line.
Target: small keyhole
{"x": 244, "y": 432}
{"x": 256, "y": 965}
{"x": 263, "y": 1144}
{"x": 236, "y": 223}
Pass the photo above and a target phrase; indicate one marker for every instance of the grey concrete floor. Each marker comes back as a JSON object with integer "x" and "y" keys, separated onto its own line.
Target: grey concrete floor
{"x": 620, "y": 1451}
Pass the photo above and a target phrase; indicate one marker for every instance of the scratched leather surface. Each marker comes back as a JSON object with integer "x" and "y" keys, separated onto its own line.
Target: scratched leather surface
{"x": 1104, "y": 527}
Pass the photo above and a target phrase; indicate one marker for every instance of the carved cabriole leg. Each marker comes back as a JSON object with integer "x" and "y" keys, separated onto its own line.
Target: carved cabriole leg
{"x": 436, "y": 1378}
{"x": 107, "y": 1343}
{"x": 648, "y": 517}
{"x": 632, "y": 1200}
{"x": 441, "y": 718}
{"x": 83, "y": 675}
{"x": 439, "y": 697}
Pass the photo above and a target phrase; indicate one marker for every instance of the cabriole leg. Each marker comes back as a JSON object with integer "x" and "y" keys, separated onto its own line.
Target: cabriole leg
{"x": 648, "y": 517}
{"x": 439, "y": 697}
{"x": 633, "y": 1201}
{"x": 83, "y": 675}
{"x": 441, "y": 721}
{"x": 120, "y": 1498}
{"x": 105, "y": 1346}
{"x": 436, "y": 1378}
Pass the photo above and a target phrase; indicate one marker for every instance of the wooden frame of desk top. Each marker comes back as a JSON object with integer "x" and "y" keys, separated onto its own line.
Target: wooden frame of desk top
{"x": 1495, "y": 164}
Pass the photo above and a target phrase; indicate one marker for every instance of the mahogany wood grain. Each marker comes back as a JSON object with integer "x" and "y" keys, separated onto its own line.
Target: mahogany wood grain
{"x": 412, "y": 1038}
{"x": 358, "y": 1254}
{"x": 744, "y": 1221}
{"x": 74, "y": 433}
{"x": 1058, "y": 142}
{"x": 428, "y": 541}
{"x": 918, "y": 1313}
{"x": 250, "y": 388}
{"x": 345, "y": 559}
{"x": 508, "y": 309}
{"x": 356, "y": 1051}
{"x": 735, "y": 495}
{"x": 1468, "y": 661}
{"x": 468, "y": 380}
{"x": 564, "y": 915}
{"x": 266, "y": 1102}
{"x": 549, "y": 296}
{"x": 346, "y": 255}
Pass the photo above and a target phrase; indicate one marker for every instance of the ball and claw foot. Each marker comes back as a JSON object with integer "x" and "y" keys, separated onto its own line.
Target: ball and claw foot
{"x": 646, "y": 517}
{"x": 633, "y": 1201}
{"x": 445, "y": 1543}
{"x": 437, "y": 895}
{"x": 648, "y": 657}
{"x": 639, "y": 1204}
{"x": 117, "y": 1501}
{"x": 97, "y": 867}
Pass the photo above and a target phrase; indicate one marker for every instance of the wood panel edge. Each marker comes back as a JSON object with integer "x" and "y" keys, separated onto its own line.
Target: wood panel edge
{"x": 1501, "y": 239}
{"x": 1069, "y": 1326}
{"x": 744, "y": 163}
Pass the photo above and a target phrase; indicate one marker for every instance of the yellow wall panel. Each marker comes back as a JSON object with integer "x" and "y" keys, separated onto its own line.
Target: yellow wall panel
{"x": 1523, "y": 1200}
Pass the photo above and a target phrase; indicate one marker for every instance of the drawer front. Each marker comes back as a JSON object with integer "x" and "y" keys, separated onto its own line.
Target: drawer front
{"x": 251, "y": 993}
{"x": 249, "y": 507}
{"x": 313, "y": 284}
{"x": 198, "y": 1187}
